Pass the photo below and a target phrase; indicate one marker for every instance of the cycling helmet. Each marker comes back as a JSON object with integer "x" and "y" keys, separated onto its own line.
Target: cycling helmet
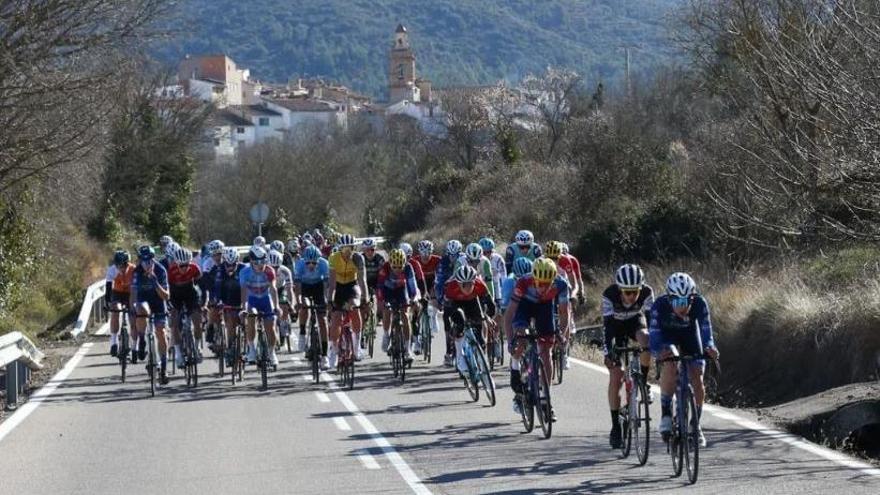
{"x": 681, "y": 285}
{"x": 474, "y": 252}
{"x": 453, "y": 247}
{"x": 368, "y": 243}
{"x": 170, "y": 249}
{"x": 406, "y": 248}
{"x": 216, "y": 247}
{"x": 230, "y": 256}
{"x": 564, "y": 247}
{"x": 629, "y": 277}
{"x": 275, "y": 258}
{"x": 311, "y": 253}
{"x": 346, "y": 240}
{"x": 182, "y": 256}
{"x": 258, "y": 255}
{"x": 524, "y": 238}
{"x": 544, "y": 270}
{"x": 121, "y": 257}
{"x": 522, "y": 266}
{"x": 293, "y": 246}
{"x": 426, "y": 247}
{"x": 308, "y": 238}
{"x": 487, "y": 243}
{"x": 397, "y": 259}
{"x": 165, "y": 240}
{"x": 146, "y": 252}
{"x": 465, "y": 274}
{"x": 259, "y": 241}
{"x": 553, "y": 249}
{"x": 277, "y": 246}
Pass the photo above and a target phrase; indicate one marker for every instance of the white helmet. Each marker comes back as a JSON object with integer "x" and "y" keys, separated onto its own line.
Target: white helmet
{"x": 474, "y": 252}
{"x": 524, "y": 238}
{"x": 170, "y": 249}
{"x": 453, "y": 247}
{"x": 216, "y": 246}
{"x": 258, "y": 254}
{"x": 230, "y": 256}
{"x": 277, "y": 246}
{"x": 259, "y": 241}
{"x": 465, "y": 274}
{"x": 293, "y": 246}
{"x": 275, "y": 258}
{"x": 165, "y": 240}
{"x": 182, "y": 256}
{"x": 406, "y": 248}
{"x": 681, "y": 285}
{"x": 629, "y": 277}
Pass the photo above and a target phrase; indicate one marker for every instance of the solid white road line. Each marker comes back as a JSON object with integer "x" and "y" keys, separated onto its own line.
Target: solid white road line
{"x": 341, "y": 423}
{"x": 41, "y": 395}
{"x": 405, "y": 471}
{"x": 793, "y": 440}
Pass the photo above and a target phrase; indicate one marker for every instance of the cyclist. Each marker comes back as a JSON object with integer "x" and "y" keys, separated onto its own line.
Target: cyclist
{"x": 534, "y": 298}
{"x": 183, "y": 278}
{"x": 347, "y": 285}
{"x": 429, "y": 263}
{"x": 396, "y": 290}
{"x": 226, "y": 294}
{"x": 523, "y": 245}
{"x": 445, "y": 269}
{"x": 576, "y": 268}
{"x": 553, "y": 250}
{"x": 118, "y": 290}
{"x": 496, "y": 262}
{"x": 680, "y": 322}
{"x": 476, "y": 260}
{"x": 465, "y": 295}
{"x": 310, "y": 279}
{"x": 284, "y": 286}
{"x": 208, "y": 263}
{"x": 373, "y": 262}
{"x": 257, "y": 282}
{"x": 625, "y": 306}
{"x": 149, "y": 293}
{"x": 168, "y": 246}
{"x": 291, "y": 254}
{"x": 421, "y": 289}
{"x": 521, "y": 268}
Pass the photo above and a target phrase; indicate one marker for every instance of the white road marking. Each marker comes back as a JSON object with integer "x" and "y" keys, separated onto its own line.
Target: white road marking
{"x": 322, "y": 397}
{"x": 41, "y": 395}
{"x": 368, "y": 460}
{"x": 104, "y": 329}
{"x": 341, "y": 423}
{"x": 405, "y": 471}
{"x": 793, "y": 440}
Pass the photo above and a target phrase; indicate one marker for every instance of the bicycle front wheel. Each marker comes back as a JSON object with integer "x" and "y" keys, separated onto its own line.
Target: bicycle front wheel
{"x": 626, "y": 427}
{"x": 641, "y": 424}
{"x": 123, "y": 352}
{"x": 264, "y": 360}
{"x": 485, "y": 375}
{"x": 545, "y": 408}
{"x": 558, "y": 358}
{"x": 691, "y": 440}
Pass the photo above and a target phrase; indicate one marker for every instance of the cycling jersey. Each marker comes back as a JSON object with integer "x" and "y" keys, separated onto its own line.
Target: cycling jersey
{"x": 444, "y": 272}
{"x": 471, "y": 305}
{"x": 145, "y": 287}
{"x": 621, "y": 321}
{"x": 513, "y": 252}
{"x": 454, "y": 293}
{"x": 226, "y": 287}
{"x": 120, "y": 280}
{"x": 311, "y": 275}
{"x": 372, "y": 267}
{"x": 538, "y": 306}
{"x": 429, "y": 268}
{"x": 396, "y": 287}
{"x": 283, "y": 280}
{"x": 691, "y": 334}
{"x": 507, "y": 291}
{"x": 327, "y": 250}
{"x": 257, "y": 283}
{"x": 566, "y": 268}
{"x": 499, "y": 272}
{"x": 420, "y": 276}
{"x": 183, "y": 276}
{"x": 484, "y": 271}
{"x": 346, "y": 270}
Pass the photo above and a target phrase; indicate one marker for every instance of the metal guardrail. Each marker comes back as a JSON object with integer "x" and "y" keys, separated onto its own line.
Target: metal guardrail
{"x": 19, "y": 356}
{"x": 92, "y": 310}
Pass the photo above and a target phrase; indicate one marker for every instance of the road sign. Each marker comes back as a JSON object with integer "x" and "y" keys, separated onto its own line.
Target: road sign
{"x": 260, "y": 213}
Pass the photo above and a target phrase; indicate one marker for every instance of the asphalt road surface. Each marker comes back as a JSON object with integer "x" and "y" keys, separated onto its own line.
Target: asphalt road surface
{"x": 85, "y": 432}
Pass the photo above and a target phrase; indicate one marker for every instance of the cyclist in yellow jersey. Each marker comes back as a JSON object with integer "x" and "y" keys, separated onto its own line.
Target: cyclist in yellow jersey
{"x": 347, "y": 284}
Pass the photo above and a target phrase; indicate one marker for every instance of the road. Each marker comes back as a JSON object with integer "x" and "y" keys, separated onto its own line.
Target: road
{"x": 87, "y": 433}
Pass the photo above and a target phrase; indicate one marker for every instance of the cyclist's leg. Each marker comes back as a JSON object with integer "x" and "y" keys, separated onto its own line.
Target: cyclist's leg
{"x": 544, "y": 326}
{"x": 159, "y": 323}
{"x": 407, "y": 332}
{"x": 457, "y": 320}
{"x": 355, "y": 315}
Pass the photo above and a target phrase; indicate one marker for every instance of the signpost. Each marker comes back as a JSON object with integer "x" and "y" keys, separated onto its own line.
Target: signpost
{"x": 259, "y": 214}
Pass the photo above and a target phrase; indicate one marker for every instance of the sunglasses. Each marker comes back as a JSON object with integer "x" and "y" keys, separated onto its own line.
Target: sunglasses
{"x": 680, "y": 302}
{"x": 311, "y": 263}
{"x": 258, "y": 262}
{"x": 524, "y": 248}
{"x": 629, "y": 292}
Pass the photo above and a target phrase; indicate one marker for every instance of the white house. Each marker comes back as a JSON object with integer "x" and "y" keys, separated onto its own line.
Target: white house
{"x": 229, "y": 132}
{"x": 268, "y": 123}
{"x": 299, "y": 111}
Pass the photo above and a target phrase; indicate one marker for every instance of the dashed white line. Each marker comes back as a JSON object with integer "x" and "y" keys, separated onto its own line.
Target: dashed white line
{"x": 793, "y": 440}
{"x": 368, "y": 460}
{"x": 41, "y": 395}
{"x": 322, "y": 397}
{"x": 341, "y": 423}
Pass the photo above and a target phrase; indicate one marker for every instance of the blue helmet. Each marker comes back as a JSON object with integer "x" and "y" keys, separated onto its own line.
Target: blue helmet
{"x": 487, "y": 244}
{"x": 120, "y": 257}
{"x": 522, "y": 266}
{"x": 146, "y": 252}
{"x": 311, "y": 253}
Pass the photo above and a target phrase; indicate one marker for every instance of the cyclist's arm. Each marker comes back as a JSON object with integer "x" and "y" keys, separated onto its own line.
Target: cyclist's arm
{"x": 331, "y": 284}
{"x": 705, "y": 324}
{"x": 362, "y": 278}
{"x": 655, "y": 332}
{"x": 162, "y": 287}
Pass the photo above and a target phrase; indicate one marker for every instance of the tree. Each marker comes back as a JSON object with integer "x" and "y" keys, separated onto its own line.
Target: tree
{"x": 550, "y": 97}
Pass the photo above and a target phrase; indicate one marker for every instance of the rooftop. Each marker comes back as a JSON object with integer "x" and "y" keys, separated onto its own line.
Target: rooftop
{"x": 227, "y": 118}
{"x": 255, "y": 110}
{"x": 304, "y": 105}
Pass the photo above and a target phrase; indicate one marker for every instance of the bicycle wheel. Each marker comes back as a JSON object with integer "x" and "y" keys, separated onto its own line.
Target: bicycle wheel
{"x": 315, "y": 349}
{"x": 625, "y": 422}
{"x": 472, "y": 386}
{"x": 239, "y": 356}
{"x": 544, "y": 405}
{"x": 400, "y": 353}
{"x": 528, "y": 406}
{"x": 123, "y": 352}
{"x": 691, "y": 440}
{"x": 641, "y": 424}
{"x": 426, "y": 336}
{"x": 151, "y": 364}
{"x": 558, "y": 357}
{"x": 676, "y": 448}
{"x": 263, "y": 357}
{"x": 485, "y": 376}
{"x": 490, "y": 351}
{"x": 220, "y": 347}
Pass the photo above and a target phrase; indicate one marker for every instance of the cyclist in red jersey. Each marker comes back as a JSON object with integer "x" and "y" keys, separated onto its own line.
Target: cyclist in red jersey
{"x": 183, "y": 278}
{"x": 465, "y": 295}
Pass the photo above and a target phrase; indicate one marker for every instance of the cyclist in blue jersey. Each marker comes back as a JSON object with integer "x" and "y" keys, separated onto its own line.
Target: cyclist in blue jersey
{"x": 225, "y": 294}
{"x": 524, "y": 245}
{"x": 521, "y": 267}
{"x": 258, "y": 290}
{"x": 311, "y": 279}
{"x": 680, "y": 323}
{"x": 149, "y": 293}
{"x": 445, "y": 269}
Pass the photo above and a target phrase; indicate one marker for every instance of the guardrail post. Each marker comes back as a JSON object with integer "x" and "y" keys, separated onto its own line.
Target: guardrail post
{"x": 24, "y": 375}
{"x": 12, "y": 386}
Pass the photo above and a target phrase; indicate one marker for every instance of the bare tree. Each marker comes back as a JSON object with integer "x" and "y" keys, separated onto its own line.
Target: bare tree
{"x": 550, "y": 96}
{"x": 465, "y": 120}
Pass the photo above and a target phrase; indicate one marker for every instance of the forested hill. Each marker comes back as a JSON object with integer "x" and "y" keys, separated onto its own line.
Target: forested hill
{"x": 456, "y": 41}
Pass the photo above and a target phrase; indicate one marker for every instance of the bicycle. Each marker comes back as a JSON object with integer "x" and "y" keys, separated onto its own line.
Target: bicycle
{"x": 284, "y": 331}
{"x": 369, "y": 334}
{"x": 262, "y": 347}
{"x": 683, "y": 443}
{"x": 124, "y": 344}
{"x": 495, "y": 348}
{"x": 236, "y": 348}
{"x": 314, "y": 350}
{"x": 346, "y": 353}
{"x": 478, "y": 368}
{"x": 188, "y": 347}
{"x": 635, "y": 412}
{"x": 219, "y": 346}
{"x": 425, "y": 334}
{"x": 535, "y": 395}
{"x": 153, "y": 369}
{"x": 398, "y": 353}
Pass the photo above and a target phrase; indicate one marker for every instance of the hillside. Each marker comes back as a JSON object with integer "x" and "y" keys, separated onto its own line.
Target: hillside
{"x": 456, "y": 41}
